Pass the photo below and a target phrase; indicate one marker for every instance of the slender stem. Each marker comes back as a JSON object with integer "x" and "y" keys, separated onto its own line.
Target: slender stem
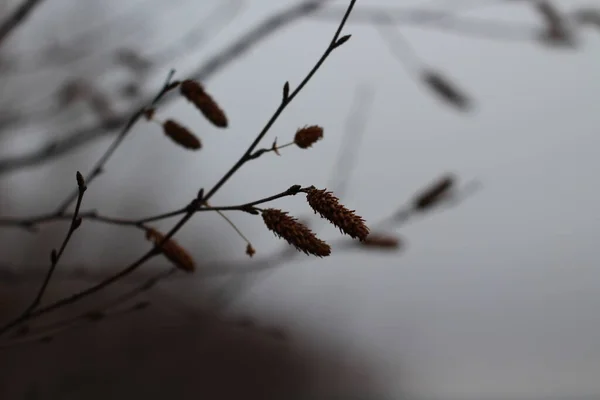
{"x": 140, "y": 223}
{"x": 75, "y": 222}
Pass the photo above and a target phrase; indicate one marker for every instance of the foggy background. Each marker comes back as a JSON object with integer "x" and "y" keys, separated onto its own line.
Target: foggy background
{"x": 494, "y": 298}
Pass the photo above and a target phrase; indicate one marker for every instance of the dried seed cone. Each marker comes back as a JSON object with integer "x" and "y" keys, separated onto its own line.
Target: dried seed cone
{"x": 328, "y": 206}
{"x": 181, "y": 135}
{"x": 307, "y": 136}
{"x": 294, "y": 233}
{"x": 173, "y": 251}
{"x": 195, "y": 93}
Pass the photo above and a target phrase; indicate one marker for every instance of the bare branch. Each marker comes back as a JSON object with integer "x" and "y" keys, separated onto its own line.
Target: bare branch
{"x": 336, "y": 41}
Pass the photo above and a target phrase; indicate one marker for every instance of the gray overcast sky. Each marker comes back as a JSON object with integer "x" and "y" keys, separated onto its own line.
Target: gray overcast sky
{"x": 496, "y": 297}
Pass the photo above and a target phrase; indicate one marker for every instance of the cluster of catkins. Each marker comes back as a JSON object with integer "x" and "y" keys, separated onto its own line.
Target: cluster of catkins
{"x": 278, "y": 221}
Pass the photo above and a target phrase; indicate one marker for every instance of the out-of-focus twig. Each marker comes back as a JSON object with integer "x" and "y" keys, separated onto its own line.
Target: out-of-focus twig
{"x": 440, "y": 20}
{"x": 355, "y": 128}
{"x": 17, "y": 17}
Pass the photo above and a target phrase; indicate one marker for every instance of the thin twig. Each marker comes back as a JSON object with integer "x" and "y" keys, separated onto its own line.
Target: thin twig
{"x": 55, "y": 256}
{"x": 32, "y": 222}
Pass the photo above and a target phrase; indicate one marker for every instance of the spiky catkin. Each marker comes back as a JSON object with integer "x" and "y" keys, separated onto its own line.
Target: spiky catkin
{"x": 195, "y": 93}
{"x": 173, "y": 251}
{"x": 307, "y": 136}
{"x": 328, "y": 206}
{"x": 295, "y": 233}
{"x": 181, "y": 135}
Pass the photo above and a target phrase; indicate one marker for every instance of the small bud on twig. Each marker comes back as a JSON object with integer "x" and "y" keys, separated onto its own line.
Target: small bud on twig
{"x": 341, "y": 41}
{"x": 77, "y": 223}
{"x": 80, "y": 180}
{"x": 286, "y": 92}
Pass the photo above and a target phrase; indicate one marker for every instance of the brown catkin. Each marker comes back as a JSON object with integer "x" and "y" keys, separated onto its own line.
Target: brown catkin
{"x": 446, "y": 89}
{"x": 181, "y": 135}
{"x": 307, "y": 136}
{"x": 328, "y": 206}
{"x": 433, "y": 194}
{"x": 195, "y": 93}
{"x": 173, "y": 251}
{"x": 382, "y": 241}
{"x": 294, "y": 232}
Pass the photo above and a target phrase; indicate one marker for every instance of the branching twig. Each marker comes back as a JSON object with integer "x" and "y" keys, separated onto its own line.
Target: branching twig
{"x": 32, "y": 222}
{"x": 201, "y": 198}
{"x": 55, "y": 256}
